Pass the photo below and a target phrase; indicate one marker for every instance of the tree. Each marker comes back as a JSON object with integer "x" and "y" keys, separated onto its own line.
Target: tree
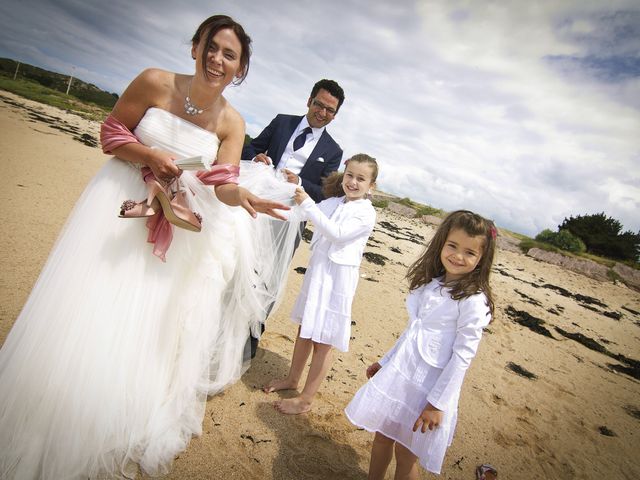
{"x": 601, "y": 235}
{"x": 563, "y": 239}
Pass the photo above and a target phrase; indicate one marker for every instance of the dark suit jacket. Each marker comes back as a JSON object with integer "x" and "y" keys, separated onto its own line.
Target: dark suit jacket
{"x": 273, "y": 140}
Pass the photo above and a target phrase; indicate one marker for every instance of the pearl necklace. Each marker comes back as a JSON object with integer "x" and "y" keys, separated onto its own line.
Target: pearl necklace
{"x": 191, "y": 108}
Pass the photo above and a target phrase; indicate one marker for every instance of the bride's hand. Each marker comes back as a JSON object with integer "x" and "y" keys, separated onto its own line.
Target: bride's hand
{"x": 161, "y": 164}
{"x": 254, "y": 205}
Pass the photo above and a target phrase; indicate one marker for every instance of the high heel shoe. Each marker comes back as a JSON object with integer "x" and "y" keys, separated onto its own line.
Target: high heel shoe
{"x": 181, "y": 215}
{"x": 176, "y": 209}
{"x": 146, "y": 208}
{"x": 173, "y": 204}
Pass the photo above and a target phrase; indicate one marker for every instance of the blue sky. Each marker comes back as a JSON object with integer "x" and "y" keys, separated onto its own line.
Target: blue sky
{"x": 526, "y": 112}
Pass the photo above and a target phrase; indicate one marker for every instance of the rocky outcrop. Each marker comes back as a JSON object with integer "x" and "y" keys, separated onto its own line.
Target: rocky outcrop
{"x": 629, "y": 275}
{"x": 431, "y": 219}
{"x": 578, "y": 265}
{"x": 507, "y": 242}
{"x": 400, "y": 209}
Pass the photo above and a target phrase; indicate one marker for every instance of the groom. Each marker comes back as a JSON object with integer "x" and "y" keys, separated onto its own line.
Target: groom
{"x": 301, "y": 147}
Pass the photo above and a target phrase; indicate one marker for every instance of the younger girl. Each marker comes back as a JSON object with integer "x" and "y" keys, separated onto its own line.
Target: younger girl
{"x": 411, "y": 399}
{"x": 343, "y": 223}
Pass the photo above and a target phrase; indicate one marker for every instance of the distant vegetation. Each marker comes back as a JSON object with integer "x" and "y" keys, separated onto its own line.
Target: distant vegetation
{"x": 29, "y": 76}
{"x": 597, "y": 237}
{"x": 380, "y": 203}
{"x": 562, "y": 239}
{"x": 420, "y": 208}
{"x": 34, "y": 91}
{"x": 603, "y": 236}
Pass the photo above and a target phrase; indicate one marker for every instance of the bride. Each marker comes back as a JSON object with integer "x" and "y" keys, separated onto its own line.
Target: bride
{"x": 134, "y": 321}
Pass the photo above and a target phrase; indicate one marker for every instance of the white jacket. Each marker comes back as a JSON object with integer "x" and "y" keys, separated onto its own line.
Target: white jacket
{"x": 447, "y": 335}
{"x": 347, "y": 231}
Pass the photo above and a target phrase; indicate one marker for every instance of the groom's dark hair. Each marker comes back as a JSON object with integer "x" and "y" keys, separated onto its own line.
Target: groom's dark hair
{"x": 330, "y": 86}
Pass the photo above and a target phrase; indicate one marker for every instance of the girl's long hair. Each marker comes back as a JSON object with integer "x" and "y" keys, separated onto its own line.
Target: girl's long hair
{"x": 429, "y": 265}
{"x": 332, "y": 184}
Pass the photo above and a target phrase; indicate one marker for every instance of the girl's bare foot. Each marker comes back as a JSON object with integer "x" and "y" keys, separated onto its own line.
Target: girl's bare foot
{"x": 292, "y": 406}
{"x": 280, "y": 384}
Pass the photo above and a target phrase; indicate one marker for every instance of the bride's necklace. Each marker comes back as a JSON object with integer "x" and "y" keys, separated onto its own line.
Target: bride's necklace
{"x": 191, "y": 108}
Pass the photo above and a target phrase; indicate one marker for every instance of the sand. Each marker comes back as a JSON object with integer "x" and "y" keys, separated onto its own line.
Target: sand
{"x": 577, "y": 418}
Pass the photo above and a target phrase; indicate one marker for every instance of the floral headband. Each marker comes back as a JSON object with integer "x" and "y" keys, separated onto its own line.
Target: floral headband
{"x": 493, "y": 232}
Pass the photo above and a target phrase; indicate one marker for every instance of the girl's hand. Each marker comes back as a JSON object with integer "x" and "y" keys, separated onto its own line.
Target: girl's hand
{"x": 300, "y": 196}
{"x": 430, "y": 418}
{"x": 161, "y": 164}
{"x": 253, "y": 205}
{"x": 291, "y": 177}
{"x": 373, "y": 369}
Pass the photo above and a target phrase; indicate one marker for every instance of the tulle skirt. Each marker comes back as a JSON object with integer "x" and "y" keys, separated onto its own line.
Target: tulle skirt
{"x": 111, "y": 360}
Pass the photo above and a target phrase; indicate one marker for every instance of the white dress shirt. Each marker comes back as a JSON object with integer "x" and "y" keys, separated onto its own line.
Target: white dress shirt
{"x": 294, "y": 161}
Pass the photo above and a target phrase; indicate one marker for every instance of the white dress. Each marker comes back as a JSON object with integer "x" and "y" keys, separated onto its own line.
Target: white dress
{"x": 323, "y": 306}
{"x": 427, "y": 364}
{"x": 114, "y": 353}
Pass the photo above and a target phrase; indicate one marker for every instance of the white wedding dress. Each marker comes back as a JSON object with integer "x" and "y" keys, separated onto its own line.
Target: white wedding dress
{"x": 110, "y": 362}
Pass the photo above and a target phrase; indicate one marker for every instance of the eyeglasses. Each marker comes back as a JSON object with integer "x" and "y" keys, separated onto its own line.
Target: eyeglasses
{"x": 322, "y": 106}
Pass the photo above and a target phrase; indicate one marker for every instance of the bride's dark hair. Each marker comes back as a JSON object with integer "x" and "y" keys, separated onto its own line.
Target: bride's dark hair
{"x": 213, "y": 25}
{"x": 332, "y": 184}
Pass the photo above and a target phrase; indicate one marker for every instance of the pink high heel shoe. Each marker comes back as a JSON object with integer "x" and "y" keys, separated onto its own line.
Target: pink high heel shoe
{"x": 178, "y": 213}
{"x": 146, "y": 208}
{"x": 173, "y": 204}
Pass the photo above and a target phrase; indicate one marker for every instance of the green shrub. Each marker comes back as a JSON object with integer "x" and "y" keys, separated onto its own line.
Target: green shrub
{"x": 428, "y": 210}
{"x": 380, "y": 203}
{"x": 562, "y": 239}
{"x": 528, "y": 243}
{"x": 420, "y": 208}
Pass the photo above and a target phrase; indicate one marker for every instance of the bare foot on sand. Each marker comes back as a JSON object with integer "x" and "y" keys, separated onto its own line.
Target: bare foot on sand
{"x": 292, "y": 406}
{"x": 280, "y": 384}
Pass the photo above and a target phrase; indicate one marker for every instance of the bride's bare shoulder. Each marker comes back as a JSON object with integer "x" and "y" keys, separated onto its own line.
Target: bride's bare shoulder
{"x": 230, "y": 120}
{"x": 157, "y": 78}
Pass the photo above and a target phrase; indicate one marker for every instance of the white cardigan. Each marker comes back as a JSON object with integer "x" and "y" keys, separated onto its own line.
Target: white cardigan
{"x": 348, "y": 233}
{"x": 448, "y": 335}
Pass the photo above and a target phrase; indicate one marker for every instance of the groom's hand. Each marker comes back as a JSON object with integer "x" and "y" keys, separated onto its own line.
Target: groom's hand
{"x": 262, "y": 158}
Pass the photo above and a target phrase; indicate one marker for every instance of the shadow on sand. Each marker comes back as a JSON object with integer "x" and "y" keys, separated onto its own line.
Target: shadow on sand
{"x": 312, "y": 445}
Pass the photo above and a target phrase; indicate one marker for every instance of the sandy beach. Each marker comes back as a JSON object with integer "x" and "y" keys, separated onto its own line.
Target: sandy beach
{"x": 553, "y": 393}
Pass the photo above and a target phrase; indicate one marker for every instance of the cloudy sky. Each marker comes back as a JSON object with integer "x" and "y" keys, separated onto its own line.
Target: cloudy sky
{"x": 524, "y": 111}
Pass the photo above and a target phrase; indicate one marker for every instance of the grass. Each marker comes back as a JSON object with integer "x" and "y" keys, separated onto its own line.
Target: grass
{"x": 39, "y": 93}
{"x": 421, "y": 209}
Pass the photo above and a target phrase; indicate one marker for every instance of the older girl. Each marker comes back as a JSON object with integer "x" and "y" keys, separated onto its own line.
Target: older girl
{"x": 343, "y": 223}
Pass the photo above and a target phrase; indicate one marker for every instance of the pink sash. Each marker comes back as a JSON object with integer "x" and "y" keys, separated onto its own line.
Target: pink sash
{"x": 114, "y": 134}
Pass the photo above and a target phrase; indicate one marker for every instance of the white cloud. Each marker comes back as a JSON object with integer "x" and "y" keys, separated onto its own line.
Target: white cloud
{"x": 522, "y": 111}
